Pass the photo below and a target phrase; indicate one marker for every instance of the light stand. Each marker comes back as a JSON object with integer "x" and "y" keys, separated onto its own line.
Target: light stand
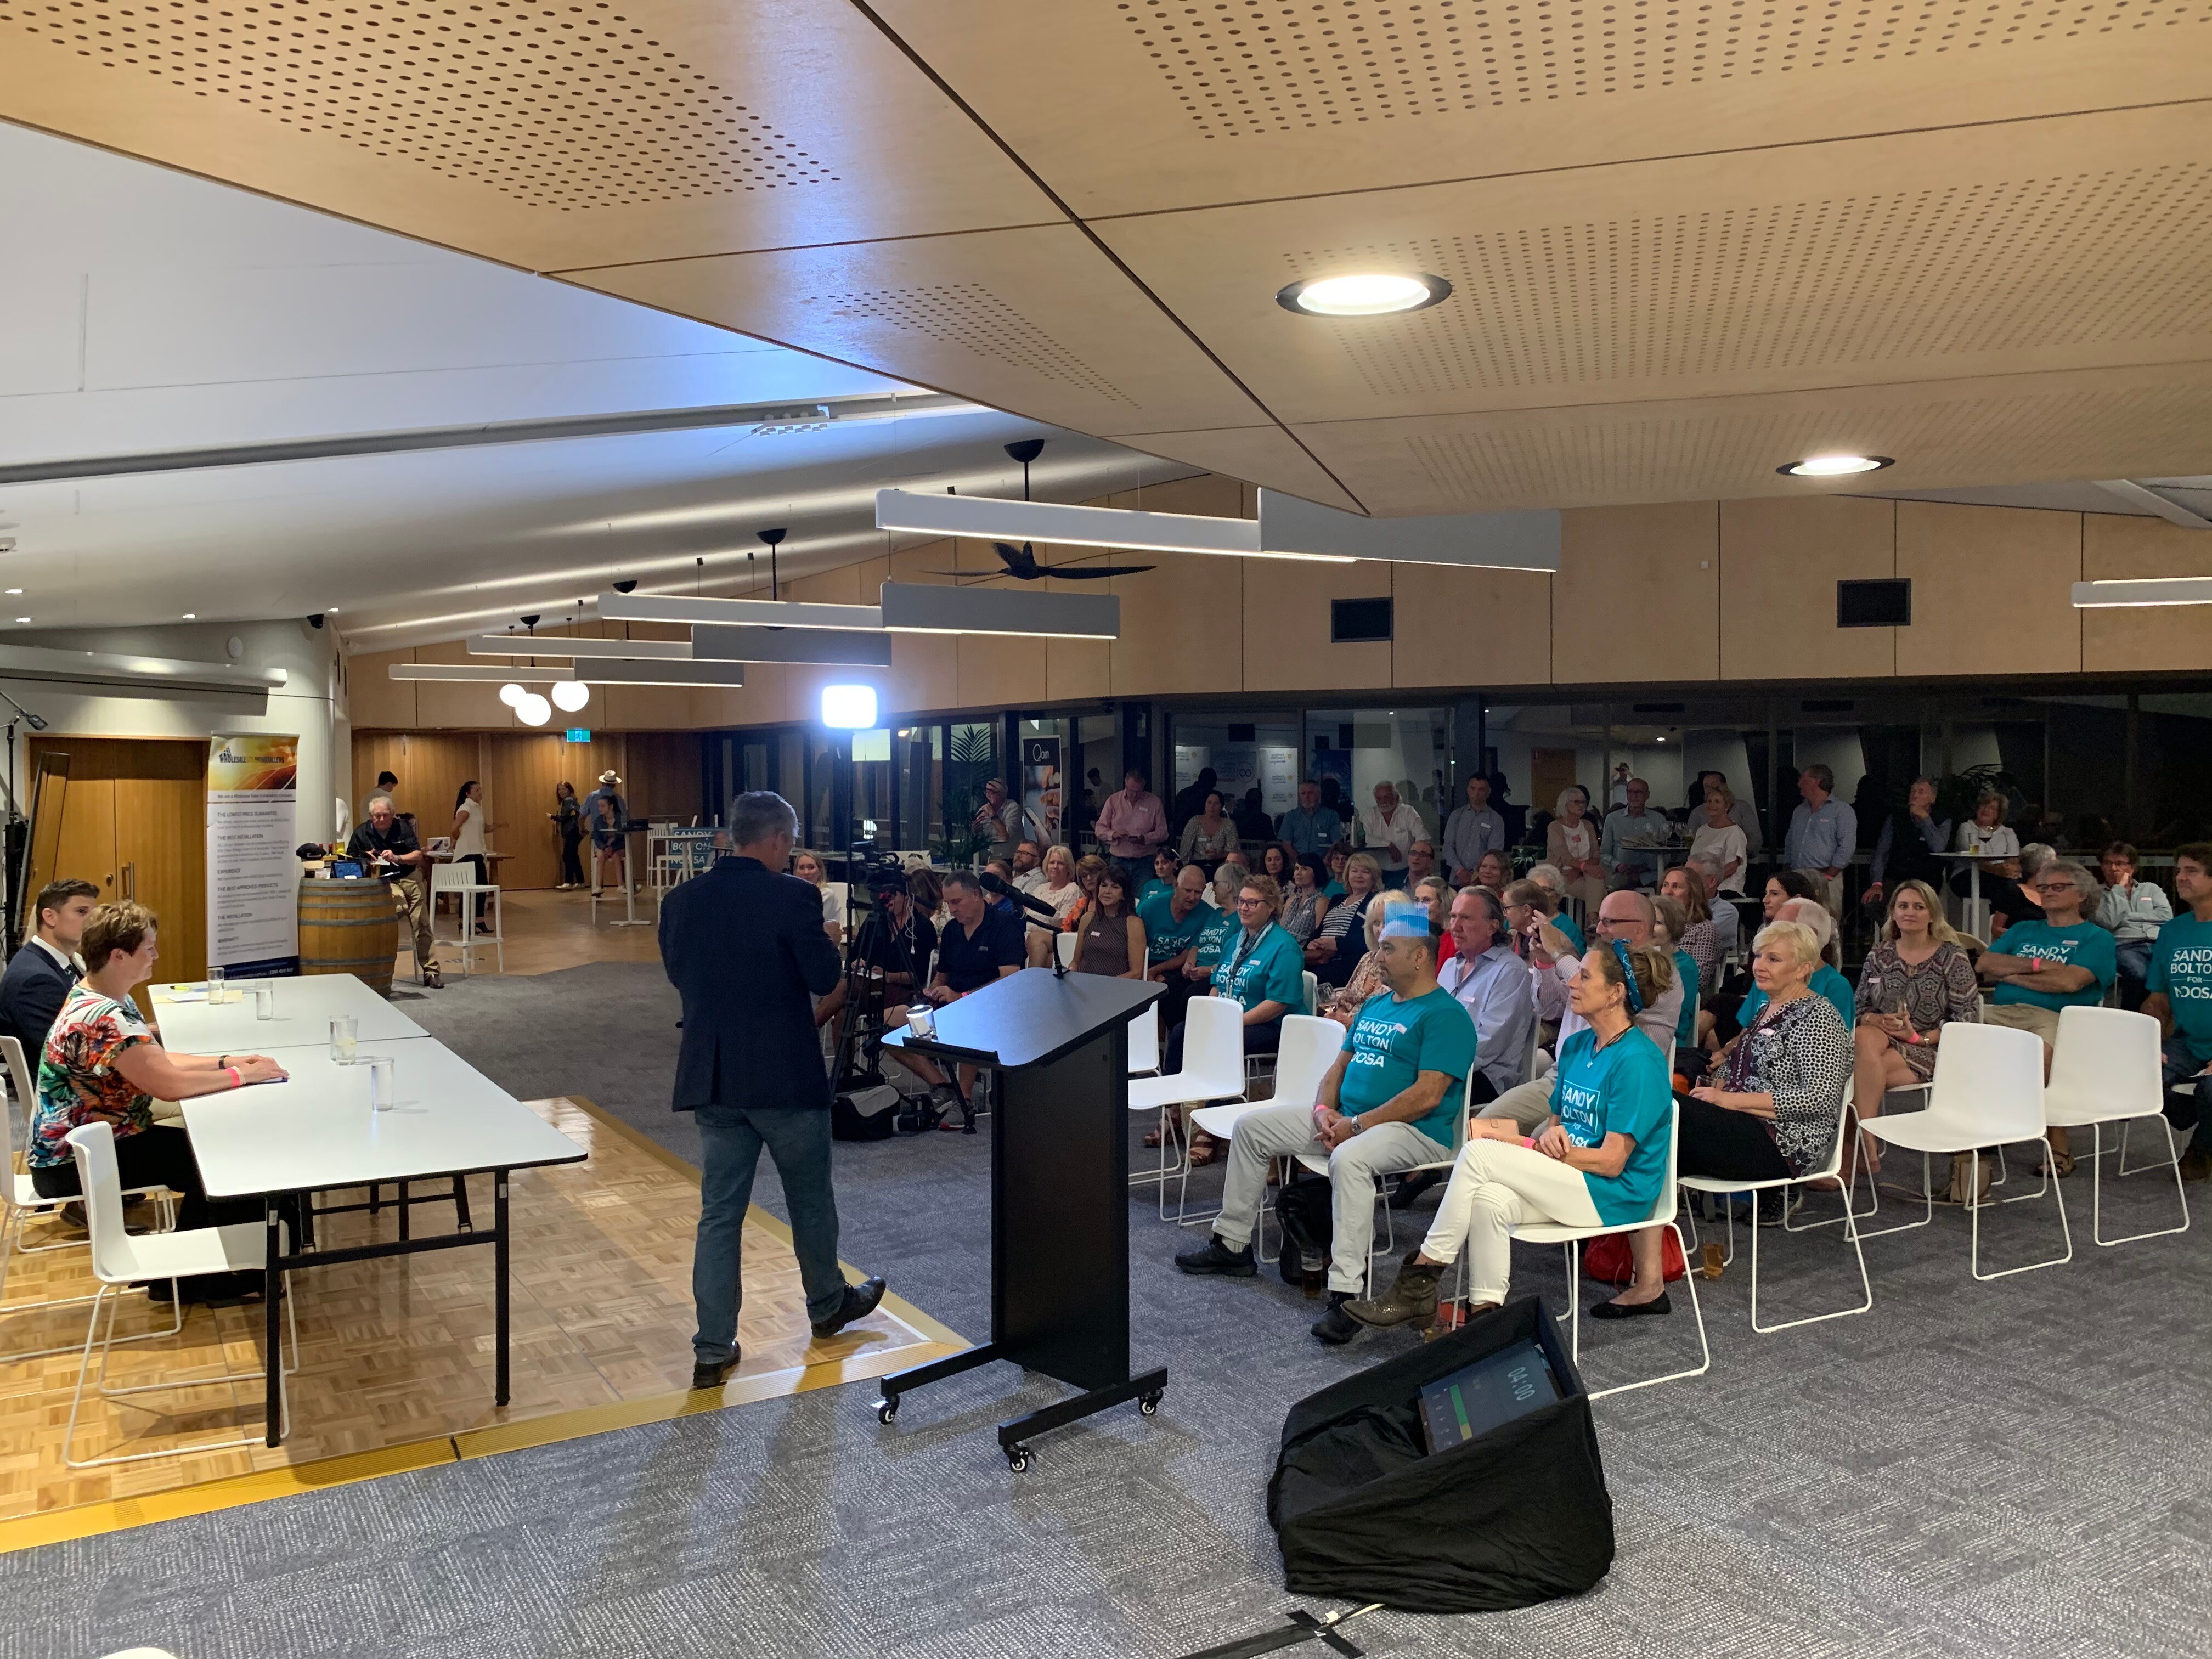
{"x": 8, "y": 850}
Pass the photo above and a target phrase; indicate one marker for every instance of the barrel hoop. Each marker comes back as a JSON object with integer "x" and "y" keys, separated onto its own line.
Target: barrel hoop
{"x": 384, "y": 921}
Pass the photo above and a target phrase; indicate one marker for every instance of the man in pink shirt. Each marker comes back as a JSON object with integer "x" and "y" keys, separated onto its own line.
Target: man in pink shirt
{"x": 1131, "y": 824}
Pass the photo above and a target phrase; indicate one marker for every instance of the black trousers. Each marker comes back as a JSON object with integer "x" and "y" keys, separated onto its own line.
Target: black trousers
{"x": 572, "y": 862}
{"x": 1727, "y": 1146}
{"x": 155, "y": 1157}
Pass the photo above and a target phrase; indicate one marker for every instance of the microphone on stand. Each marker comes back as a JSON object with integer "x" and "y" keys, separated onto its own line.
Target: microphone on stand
{"x": 992, "y": 882}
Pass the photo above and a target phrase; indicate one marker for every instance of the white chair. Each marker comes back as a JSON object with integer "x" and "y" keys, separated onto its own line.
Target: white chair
{"x": 1213, "y": 1069}
{"x": 1319, "y": 1165}
{"x": 1828, "y": 1171}
{"x": 1066, "y": 944}
{"x": 1145, "y": 1040}
{"x": 1662, "y": 1215}
{"x": 22, "y": 1201}
{"x": 449, "y": 875}
{"x": 1311, "y": 983}
{"x": 1987, "y": 1091}
{"x": 1308, "y": 1047}
{"x": 120, "y": 1259}
{"x": 2106, "y": 1068}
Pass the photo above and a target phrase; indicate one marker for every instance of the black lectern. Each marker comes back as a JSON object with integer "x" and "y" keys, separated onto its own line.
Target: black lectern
{"x": 1060, "y": 1190}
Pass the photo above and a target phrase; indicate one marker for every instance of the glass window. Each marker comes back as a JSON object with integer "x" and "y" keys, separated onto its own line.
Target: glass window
{"x": 971, "y": 758}
{"x": 918, "y": 752}
{"x": 1409, "y": 748}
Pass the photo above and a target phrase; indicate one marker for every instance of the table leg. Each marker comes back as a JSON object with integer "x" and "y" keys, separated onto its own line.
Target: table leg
{"x": 498, "y": 1271}
{"x": 403, "y": 1209}
{"x": 272, "y": 1283}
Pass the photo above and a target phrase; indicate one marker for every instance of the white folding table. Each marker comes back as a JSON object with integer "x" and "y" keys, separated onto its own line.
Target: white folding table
{"x": 305, "y": 1004}
{"x": 316, "y": 1131}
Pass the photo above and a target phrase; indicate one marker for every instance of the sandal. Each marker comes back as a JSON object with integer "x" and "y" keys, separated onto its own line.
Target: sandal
{"x": 1203, "y": 1148}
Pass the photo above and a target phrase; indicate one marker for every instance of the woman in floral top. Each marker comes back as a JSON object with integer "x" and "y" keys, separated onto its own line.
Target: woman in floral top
{"x": 102, "y": 1063}
{"x": 1917, "y": 979}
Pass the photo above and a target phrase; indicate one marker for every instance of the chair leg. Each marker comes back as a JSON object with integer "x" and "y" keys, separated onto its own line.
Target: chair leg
{"x": 2097, "y": 1183}
{"x": 1928, "y": 1202}
{"x": 1851, "y": 1232}
{"x": 1697, "y": 1310}
{"x": 1974, "y": 1257}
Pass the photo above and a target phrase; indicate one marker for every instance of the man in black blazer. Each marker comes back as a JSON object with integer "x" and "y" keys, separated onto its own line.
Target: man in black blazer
{"x": 41, "y": 974}
{"x": 745, "y": 945}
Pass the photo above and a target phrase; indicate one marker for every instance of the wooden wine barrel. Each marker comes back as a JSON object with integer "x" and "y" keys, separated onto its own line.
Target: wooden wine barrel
{"x": 349, "y": 926}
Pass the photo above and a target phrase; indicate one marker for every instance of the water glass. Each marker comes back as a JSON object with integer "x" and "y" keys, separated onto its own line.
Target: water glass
{"x": 264, "y": 1002}
{"x": 921, "y": 1020}
{"x": 214, "y": 985}
{"x": 343, "y": 1036}
{"x": 383, "y": 1082}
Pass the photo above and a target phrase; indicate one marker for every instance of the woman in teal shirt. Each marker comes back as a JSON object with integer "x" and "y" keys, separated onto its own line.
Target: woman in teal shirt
{"x": 1163, "y": 877}
{"x": 1259, "y": 966}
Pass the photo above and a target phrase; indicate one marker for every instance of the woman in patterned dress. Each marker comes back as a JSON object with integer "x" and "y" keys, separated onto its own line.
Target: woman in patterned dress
{"x": 1917, "y": 979}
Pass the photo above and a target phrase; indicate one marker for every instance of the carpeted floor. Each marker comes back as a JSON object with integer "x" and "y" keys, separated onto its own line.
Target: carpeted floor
{"x": 2003, "y": 1469}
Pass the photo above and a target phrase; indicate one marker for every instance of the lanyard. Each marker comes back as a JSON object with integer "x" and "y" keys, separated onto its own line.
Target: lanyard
{"x": 1244, "y": 951}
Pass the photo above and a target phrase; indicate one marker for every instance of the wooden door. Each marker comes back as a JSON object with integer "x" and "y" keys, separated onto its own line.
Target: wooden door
{"x": 521, "y": 772}
{"x": 160, "y": 846}
{"x": 1551, "y": 772}
{"x": 85, "y": 847}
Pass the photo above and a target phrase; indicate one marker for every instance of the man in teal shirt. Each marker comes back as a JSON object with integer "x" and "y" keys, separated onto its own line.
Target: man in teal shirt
{"x": 2063, "y": 960}
{"x": 2180, "y": 1000}
{"x": 1173, "y": 922}
{"x": 1387, "y": 1104}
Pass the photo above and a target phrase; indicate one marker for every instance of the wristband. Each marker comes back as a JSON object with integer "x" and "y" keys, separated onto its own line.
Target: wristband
{"x": 1529, "y": 1141}
{"x": 236, "y": 1081}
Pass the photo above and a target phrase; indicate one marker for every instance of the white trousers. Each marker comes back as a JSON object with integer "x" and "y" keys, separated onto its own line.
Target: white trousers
{"x": 1496, "y": 1186}
{"x": 1285, "y": 1131}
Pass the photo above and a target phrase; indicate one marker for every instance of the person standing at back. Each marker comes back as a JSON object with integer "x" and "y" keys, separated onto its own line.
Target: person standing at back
{"x": 41, "y": 974}
{"x": 744, "y": 946}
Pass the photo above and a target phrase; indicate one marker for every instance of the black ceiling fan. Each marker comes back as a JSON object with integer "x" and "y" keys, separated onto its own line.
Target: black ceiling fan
{"x": 1021, "y": 564}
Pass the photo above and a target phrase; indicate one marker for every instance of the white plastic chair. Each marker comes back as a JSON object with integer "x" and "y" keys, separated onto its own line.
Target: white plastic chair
{"x": 1311, "y": 983}
{"x": 1213, "y": 1069}
{"x": 1145, "y": 1040}
{"x": 2106, "y": 1068}
{"x": 22, "y": 1201}
{"x": 1308, "y": 1048}
{"x": 1662, "y": 1215}
{"x": 1066, "y": 944}
{"x": 1319, "y": 1165}
{"x": 1828, "y": 1171}
{"x": 1987, "y": 1091}
{"x": 120, "y": 1259}
{"x": 451, "y": 877}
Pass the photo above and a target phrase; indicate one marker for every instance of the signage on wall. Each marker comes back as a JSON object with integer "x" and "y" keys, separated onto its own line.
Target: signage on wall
{"x": 1041, "y": 788}
{"x": 253, "y": 874}
{"x": 580, "y": 734}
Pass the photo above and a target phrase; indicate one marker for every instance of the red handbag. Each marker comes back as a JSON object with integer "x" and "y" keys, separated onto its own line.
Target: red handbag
{"x": 1607, "y": 1259}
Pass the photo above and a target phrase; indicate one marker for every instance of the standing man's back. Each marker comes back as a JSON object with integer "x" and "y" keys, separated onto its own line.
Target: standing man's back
{"x": 744, "y": 946}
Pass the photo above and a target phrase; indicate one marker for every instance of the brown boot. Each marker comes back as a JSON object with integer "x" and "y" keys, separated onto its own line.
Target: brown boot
{"x": 1411, "y": 1295}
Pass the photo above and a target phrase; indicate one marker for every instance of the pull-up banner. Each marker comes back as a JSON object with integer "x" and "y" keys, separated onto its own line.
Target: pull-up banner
{"x": 252, "y": 873}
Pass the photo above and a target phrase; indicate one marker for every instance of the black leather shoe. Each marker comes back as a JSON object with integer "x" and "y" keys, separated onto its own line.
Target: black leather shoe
{"x": 1336, "y": 1327}
{"x": 1658, "y": 1304}
{"x": 861, "y": 1301}
{"x": 1215, "y": 1257}
{"x": 713, "y": 1377}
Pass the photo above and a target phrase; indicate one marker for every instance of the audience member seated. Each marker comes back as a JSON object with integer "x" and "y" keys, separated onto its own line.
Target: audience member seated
{"x": 1276, "y": 862}
{"x": 1547, "y": 876}
{"x": 1062, "y": 889}
{"x": 1720, "y": 838}
{"x": 1571, "y": 844}
{"x": 1112, "y": 941}
{"x": 979, "y": 943}
{"x": 1771, "y": 1113}
{"x": 1986, "y": 835}
{"x": 1685, "y": 884}
{"x": 1343, "y": 1002}
{"x": 2180, "y": 1000}
{"x": 1781, "y": 887}
{"x": 1390, "y": 828}
{"x": 2058, "y": 960}
{"x": 926, "y": 889}
{"x": 1421, "y": 863}
{"x": 1259, "y": 969}
{"x": 1492, "y": 871}
{"x": 1740, "y": 811}
{"x": 1485, "y": 978}
{"x": 1211, "y": 837}
{"x": 1337, "y": 857}
{"x": 893, "y": 945}
{"x": 1003, "y": 868}
{"x": 1387, "y": 1103}
{"x": 808, "y": 868}
{"x": 1814, "y": 916}
{"x": 2010, "y": 901}
{"x": 1028, "y": 867}
{"x": 1727, "y": 919}
{"x": 1435, "y": 894}
{"x": 1673, "y": 922}
{"x": 1471, "y": 833}
{"x": 1306, "y": 901}
{"x": 1330, "y": 951}
{"x": 1911, "y": 846}
{"x": 101, "y": 1063}
{"x": 1165, "y": 868}
{"x": 1916, "y": 980}
{"x": 1310, "y": 827}
{"x": 1601, "y": 1162}
{"x": 1173, "y": 921}
{"x": 1824, "y": 834}
{"x": 41, "y": 974}
{"x": 2132, "y": 911}
{"x": 1623, "y": 918}
{"x": 1629, "y": 831}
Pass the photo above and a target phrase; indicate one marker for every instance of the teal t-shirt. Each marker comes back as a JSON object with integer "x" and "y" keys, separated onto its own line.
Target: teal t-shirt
{"x": 1274, "y": 969}
{"x": 1567, "y": 925}
{"x": 1166, "y": 938}
{"x": 1392, "y": 1042}
{"x": 2084, "y": 945}
{"x": 1826, "y": 982}
{"x": 1213, "y": 934}
{"x": 1620, "y": 1089}
{"x": 1335, "y": 891}
{"x": 1153, "y": 888}
{"x": 1686, "y": 1028}
{"x": 2181, "y": 968}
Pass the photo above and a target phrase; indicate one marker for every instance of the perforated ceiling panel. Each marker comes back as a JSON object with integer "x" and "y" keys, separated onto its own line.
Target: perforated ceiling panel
{"x": 1243, "y": 68}
{"x": 2089, "y": 259}
{"x": 969, "y": 316}
{"x": 564, "y": 106}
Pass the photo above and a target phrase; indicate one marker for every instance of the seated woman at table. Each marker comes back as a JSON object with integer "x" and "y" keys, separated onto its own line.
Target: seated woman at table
{"x": 102, "y": 1063}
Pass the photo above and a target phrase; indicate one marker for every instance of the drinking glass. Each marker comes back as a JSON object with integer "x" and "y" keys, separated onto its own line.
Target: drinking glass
{"x": 344, "y": 1035}
{"x": 214, "y": 985}
{"x": 264, "y": 1002}
{"x": 383, "y": 1082}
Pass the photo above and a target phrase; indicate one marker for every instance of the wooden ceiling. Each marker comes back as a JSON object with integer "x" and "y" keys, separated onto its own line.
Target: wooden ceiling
{"x": 1689, "y": 242}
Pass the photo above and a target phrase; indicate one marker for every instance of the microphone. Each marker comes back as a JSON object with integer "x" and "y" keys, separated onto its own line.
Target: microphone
{"x": 992, "y": 882}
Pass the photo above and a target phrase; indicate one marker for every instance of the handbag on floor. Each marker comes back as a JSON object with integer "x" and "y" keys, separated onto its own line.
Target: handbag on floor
{"x": 1607, "y": 1259}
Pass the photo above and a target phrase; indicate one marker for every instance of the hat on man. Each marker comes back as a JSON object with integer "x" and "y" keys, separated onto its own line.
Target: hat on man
{"x": 609, "y": 776}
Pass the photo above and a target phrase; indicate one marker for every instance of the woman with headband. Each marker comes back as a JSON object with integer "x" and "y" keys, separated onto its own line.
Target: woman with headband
{"x": 1602, "y": 1161}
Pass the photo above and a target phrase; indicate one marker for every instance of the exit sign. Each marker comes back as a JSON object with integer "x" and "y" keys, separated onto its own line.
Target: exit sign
{"x": 580, "y": 734}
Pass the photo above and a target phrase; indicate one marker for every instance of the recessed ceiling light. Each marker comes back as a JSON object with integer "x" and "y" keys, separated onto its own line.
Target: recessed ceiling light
{"x": 1834, "y": 467}
{"x": 22, "y": 619}
{"x": 191, "y": 616}
{"x": 1370, "y": 293}
{"x": 14, "y": 591}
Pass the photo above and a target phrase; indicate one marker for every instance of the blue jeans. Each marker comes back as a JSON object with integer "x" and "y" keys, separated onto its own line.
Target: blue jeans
{"x": 1135, "y": 872}
{"x": 731, "y": 1138}
{"x": 2180, "y": 1066}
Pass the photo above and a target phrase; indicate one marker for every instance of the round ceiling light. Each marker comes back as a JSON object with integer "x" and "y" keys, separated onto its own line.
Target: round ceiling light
{"x": 1834, "y": 467}
{"x": 533, "y": 710}
{"x": 511, "y": 694}
{"x": 1368, "y": 294}
{"x": 570, "y": 695}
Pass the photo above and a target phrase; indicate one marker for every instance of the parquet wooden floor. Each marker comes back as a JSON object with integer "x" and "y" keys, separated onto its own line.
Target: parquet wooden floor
{"x": 398, "y": 1352}
{"x": 547, "y": 931}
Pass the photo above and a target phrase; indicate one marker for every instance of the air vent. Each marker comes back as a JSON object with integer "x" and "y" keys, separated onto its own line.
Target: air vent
{"x": 568, "y": 107}
{"x": 1357, "y": 621}
{"x": 969, "y": 316}
{"x": 1886, "y": 604}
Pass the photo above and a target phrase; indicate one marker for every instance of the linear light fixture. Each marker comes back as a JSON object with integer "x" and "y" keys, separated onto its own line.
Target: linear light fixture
{"x": 2148, "y": 590}
{"x": 747, "y": 643}
{"x": 661, "y": 673}
{"x": 679, "y": 608}
{"x": 480, "y": 672}
{"x": 563, "y": 645}
{"x": 931, "y": 608}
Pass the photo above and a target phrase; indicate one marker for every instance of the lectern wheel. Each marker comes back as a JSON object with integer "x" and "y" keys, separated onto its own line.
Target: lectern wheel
{"x": 1149, "y": 1404}
{"x": 887, "y": 1411}
{"x": 1018, "y": 1458}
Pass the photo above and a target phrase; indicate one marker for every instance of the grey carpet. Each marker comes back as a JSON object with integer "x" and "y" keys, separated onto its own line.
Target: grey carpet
{"x": 1989, "y": 1470}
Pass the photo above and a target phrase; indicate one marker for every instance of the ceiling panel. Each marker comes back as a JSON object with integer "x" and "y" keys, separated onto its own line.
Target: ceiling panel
{"x": 1998, "y": 430}
{"x": 1038, "y": 321}
{"x": 1265, "y": 455}
{"x": 1186, "y": 102}
{"x": 544, "y": 135}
